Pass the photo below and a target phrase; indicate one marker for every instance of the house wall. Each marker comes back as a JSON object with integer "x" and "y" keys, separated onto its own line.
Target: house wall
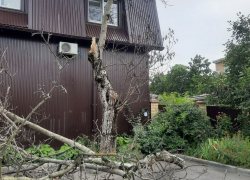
{"x": 57, "y": 16}
{"x": 220, "y": 67}
{"x": 72, "y": 113}
{"x": 69, "y": 114}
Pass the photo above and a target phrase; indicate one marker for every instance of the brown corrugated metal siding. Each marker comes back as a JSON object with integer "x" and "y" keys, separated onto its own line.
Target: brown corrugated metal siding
{"x": 72, "y": 113}
{"x": 58, "y": 16}
{"x": 69, "y": 114}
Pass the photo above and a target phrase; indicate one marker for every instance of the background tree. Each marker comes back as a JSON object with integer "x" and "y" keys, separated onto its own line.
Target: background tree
{"x": 174, "y": 81}
{"x": 182, "y": 79}
{"x": 198, "y": 68}
{"x": 232, "y": 88}
{"x": 158, "y": 85}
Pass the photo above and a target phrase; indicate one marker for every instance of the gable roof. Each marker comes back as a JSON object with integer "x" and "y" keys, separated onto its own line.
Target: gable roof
{"x": 64, "y": 18}
{"x": 218, "y": 60}
{"x": 143, "y": 22}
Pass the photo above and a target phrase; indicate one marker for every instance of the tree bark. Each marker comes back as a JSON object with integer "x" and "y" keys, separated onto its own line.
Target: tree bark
{"x": 108, "y": 97}
{"x": 109, "y": 100}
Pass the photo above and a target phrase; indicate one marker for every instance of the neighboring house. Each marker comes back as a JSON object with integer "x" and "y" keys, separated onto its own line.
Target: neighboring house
{"x": 200, "y": 101}
{"x": 73, "y": 21}
{"x": 219, "y": 65}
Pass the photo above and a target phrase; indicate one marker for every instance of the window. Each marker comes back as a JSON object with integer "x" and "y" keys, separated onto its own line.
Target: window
{"x": 96, "y": 9}
{"x": 11, "y": 4}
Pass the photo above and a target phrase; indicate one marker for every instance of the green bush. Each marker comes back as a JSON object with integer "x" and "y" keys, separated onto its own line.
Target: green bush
{"x": 11, "y": 156}
{"x": 127, "y": 145}
{"x": 41, "y": 150}
{"x": 175, "y": 99}
{"x": 223, "y": 126}
{"x": 244, "y": 122}
{"x": 122, "y": 141}
{"x": 183, "y": 125}
{"x": 70, "y": 154}
{"x": 73, "y": 152}
{"x": 233, "y": 150}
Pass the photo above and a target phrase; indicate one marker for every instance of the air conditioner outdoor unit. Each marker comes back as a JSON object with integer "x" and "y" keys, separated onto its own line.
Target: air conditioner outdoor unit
{"x": 68, "y": 48}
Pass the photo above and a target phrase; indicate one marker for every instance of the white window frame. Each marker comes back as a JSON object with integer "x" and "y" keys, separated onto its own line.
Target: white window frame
{"x": 102, "y": 4}
{"x": 11, "y": 8}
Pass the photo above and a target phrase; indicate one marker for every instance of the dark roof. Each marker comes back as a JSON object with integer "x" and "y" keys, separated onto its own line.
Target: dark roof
{"x": 200, "y": 97}
{"x": 143, "y": 22}
{"x": 113, "y": 34}
{"x": 140, "y": 24}
{"x": 218, "y": 60}
{"x": 14, "y": 19}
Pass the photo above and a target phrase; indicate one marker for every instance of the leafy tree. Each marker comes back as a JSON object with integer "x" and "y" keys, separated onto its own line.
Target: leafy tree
{"x": 157, "y": 85}
{"x": 177, "y": 79}
{"x": 199, "y": 66}
{"x": 182, "y": 79}
{"x": 232, "y": 89}
{"x": 198, "y": 71}
{"x": 174, "y": 81}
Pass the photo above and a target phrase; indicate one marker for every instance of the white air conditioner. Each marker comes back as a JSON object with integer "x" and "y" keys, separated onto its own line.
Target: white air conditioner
{"x": 68, "y": 48}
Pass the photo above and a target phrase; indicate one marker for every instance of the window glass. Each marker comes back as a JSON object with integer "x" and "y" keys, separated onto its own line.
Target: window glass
{"x": 95, "y": 10}
{"x": 113, "y": 20}
{"x": 12, "y": 4}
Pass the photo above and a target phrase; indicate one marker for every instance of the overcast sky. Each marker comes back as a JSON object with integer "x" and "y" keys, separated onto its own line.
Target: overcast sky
{"x": 200, "y": 26}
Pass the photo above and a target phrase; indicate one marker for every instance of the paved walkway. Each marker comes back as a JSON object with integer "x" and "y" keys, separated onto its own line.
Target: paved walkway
{"x": 192, "y": 171}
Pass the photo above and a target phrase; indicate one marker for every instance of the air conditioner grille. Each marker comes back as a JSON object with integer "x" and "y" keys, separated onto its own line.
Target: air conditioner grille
{"x": 66, "y": 47}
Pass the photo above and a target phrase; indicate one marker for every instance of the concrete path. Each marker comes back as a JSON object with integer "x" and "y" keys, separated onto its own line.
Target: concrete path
{"x": 172, "y": 172}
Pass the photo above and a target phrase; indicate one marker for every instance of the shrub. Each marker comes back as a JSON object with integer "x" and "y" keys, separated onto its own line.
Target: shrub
{"x": 224, "y": 125}
{"x": 11, "y": 156}
{"x": 73, "y": 152}
{"x": 123, "y": 141}
{"x": 70, "y": 154}
{"x": 233, "y": 150}
{"x": 127, "y": 146}
{"x": 244, "y": 122}
{"x": 182, "y": 125}
{"x": 175, "y": 99}
{"x": 41, "y": 150}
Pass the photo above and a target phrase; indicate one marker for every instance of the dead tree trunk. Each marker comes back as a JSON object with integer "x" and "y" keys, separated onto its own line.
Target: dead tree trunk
{"x": 108, "y": 97}
{"x": 109, "y": 100}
